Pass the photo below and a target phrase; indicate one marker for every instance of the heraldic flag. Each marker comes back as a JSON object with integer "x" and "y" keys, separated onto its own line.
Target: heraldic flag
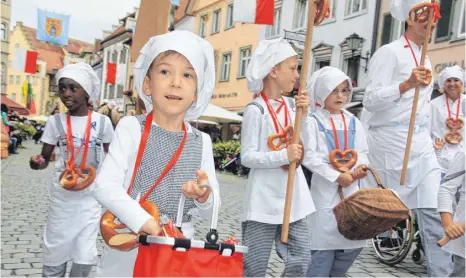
{"x": 52, "y": 27}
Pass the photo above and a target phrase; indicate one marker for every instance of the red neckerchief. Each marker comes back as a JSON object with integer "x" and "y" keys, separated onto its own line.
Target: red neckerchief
{"x": 335, "y": 134}
{"x": 70, "y": 143}
{"x": 457, "y": 108}
{"x": 142, "y": 146}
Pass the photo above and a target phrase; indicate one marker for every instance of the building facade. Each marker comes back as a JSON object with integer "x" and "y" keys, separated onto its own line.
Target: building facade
{"x": 5, "y": 42}
{"x": 329, "y": 40}
{"x": 51, "y": 58}
{"x": 233, "y": 45}
{"x": 447, "y": 45}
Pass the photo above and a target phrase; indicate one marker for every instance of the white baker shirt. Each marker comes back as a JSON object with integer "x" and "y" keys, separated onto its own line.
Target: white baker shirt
{"x": 438, "y": 127}
{"x": 264, "y": 197}
{"x": 324, "y": 188}
{"x": 388, "y": 123}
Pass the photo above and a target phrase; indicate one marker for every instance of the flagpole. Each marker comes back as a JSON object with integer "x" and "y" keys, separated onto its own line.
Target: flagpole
{"x": 311, "y": 12}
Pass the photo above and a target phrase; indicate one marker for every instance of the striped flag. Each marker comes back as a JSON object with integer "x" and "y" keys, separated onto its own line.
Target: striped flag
{"x": 25, "y": 61}
{"x": 254, "y": 11}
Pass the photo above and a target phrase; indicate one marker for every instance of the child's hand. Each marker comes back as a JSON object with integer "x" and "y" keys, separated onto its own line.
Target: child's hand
{"x": 193, "y": 189}
{"x": 37, "y": 162}
{"x": 345, "y": 179}
{"x": 439, "y": 143}
{"x": 295, "y": 152}
{"x": 455, "y": 231}
{"x": 302, "y": 101}
{"x": 359, "y": 173}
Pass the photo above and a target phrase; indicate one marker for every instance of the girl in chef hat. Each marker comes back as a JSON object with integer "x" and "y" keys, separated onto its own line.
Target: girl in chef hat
{"x": 175, "y": 78}
{"x": 272, "y": 70}
{"x": 447, "y": 116}
{"x": 333, "y": 128}
{"x": 73, "y": 217}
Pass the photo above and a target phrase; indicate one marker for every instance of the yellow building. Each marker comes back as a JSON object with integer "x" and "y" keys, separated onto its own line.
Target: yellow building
{"x": 5, "y": 42}
{"x": 233, "y": 44}
{"x": 51, "y": 58}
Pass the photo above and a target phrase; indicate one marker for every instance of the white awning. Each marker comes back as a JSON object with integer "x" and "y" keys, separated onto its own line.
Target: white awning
{"x": 217, "y": 114}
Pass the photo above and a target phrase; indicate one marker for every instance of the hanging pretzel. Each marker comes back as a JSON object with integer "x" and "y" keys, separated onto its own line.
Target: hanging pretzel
{"x": 453, "y": 124}
{"x": 428, "y": 76}
{"x": 284, "y": 138}
{"x": 74, "y": 179}
{"x": 322, "y": 12}
{"x": 453, "y": 137}
{"x": 123, "y": 241}
{"x": 343, "y": 161}
{"x": 420, "y": 12}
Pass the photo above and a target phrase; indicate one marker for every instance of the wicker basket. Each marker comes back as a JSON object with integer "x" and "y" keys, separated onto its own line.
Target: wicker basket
{"x": 369, "y": 212}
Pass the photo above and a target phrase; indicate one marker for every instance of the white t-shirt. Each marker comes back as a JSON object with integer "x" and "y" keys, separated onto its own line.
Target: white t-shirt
{"x": 51, "y": 136}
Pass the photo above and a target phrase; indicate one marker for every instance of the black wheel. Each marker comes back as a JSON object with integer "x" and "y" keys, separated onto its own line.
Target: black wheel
{"x": 418, "y": 256}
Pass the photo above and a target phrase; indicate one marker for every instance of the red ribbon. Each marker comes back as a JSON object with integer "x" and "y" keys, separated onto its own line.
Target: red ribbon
{"x": 335, "y": 134}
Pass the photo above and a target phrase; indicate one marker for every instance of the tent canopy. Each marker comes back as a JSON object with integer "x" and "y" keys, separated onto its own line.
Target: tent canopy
{"x": 217, "y": 114}
{"x": 14, "y": 106}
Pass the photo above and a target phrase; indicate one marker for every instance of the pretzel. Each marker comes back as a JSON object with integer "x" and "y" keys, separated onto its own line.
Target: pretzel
{"x": 420, "y": 12}
{"x": 123, "y": 241}
{"x": 343, "y": 163}
{"x": 322, "y": 12}
{"x": 284, "y": 137}
{"x": 453, "y": 124}
{"x": 453, "y": 137}
{"x": 75, "y": 180}
{"x": 428, "y": 76}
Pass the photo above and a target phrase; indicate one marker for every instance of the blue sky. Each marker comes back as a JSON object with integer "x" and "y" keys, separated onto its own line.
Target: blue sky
{"x": 88, "y": 18}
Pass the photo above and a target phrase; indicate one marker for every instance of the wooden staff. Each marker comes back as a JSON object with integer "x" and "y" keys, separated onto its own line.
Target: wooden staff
{"x": 311, "y": 10}
{"x": 416, "y": 97}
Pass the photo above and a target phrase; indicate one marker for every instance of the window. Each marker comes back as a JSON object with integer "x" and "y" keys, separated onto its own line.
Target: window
{"x": 274, "y": 30}
{"x": 321, "y": 64}
{"x": 13, "y": 96}
{"x": 28, "y": 79}
{"x": 123, "y": 56}
{"x": 333, "y": 9}
{"x": 351, "y": 67}
{"x": 444, "y": 23}
{"x": 226, "y": 65}
{"x": 244, "y": 59}
{"x": 392, "y": 29}
{"x": 216, "y": 21}
{"x": 299, "y": 19}
{"x": 3, "y": 31}
{"x": 18, "y": 80}
{"x": 355, "y": 6}
{"x": 461, "y": 27}
{"x": 12, "y": 79}
{"x": 114, "y": 56}
{"x": 3, "y": 73}
{"x": 202, "y": 26}
{"x": 229, "y": 22}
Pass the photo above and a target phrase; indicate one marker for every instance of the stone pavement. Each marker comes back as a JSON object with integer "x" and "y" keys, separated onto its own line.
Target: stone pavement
{"x": 24, "y": 200}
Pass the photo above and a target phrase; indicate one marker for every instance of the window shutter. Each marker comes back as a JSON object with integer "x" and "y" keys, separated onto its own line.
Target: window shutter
{"x": 387, "y": 29}
{"x": 443, "y": 25}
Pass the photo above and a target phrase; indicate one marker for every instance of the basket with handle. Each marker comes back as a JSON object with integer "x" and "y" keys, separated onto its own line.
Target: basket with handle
{"x": 175, "y": 257}
{"x": 369, "y": 212}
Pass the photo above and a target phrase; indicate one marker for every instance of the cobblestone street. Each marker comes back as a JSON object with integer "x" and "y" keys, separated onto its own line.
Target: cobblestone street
{"x": 23, "y": 215}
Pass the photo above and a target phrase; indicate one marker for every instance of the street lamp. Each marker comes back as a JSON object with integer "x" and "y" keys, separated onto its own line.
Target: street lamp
{"x": 354, "y": 43}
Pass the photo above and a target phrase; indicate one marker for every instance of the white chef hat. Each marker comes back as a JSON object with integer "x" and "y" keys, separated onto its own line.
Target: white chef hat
{"x": 83, "y": 74}
{"x": 400, "y": 8}
{"x": 199, "y": 53}
{"x": 449, "y": 72}
{"x": 268, "y": 54}
{"x": 322, "y": 83}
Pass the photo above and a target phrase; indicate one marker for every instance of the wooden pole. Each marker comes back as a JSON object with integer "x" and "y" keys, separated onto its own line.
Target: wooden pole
{"x": 312, "y": 6}
{"x": 416, "y": 97}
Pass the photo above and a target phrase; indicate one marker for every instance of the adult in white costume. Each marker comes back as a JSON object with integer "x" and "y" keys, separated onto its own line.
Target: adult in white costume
{"x": 394, "y": 73}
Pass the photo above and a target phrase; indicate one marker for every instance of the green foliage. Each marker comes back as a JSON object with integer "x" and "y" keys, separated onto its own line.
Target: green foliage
{"x": 26, "y": 128}
{"x": 221, "y": 149}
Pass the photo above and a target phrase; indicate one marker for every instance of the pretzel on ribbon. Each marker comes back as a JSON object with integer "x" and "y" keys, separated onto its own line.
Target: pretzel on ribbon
{"x": 128, "y": 241}
{"x": 428, "y": 76}
{"x": 453, "y": 137}
{"x": 322, "y": 12}
{"x": 76, "y": 179}
{"x": 284, "y": 139}
{"x": 343, "y": 161}
{"x": 420, "y": 12}
{"x": 454, "y": 124}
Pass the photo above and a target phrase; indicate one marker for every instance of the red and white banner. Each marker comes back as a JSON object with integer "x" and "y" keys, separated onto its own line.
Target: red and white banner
{"x": 25, "y": 61}
{"x": 254, "y": 11}
{"x": 116, "y": 74}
